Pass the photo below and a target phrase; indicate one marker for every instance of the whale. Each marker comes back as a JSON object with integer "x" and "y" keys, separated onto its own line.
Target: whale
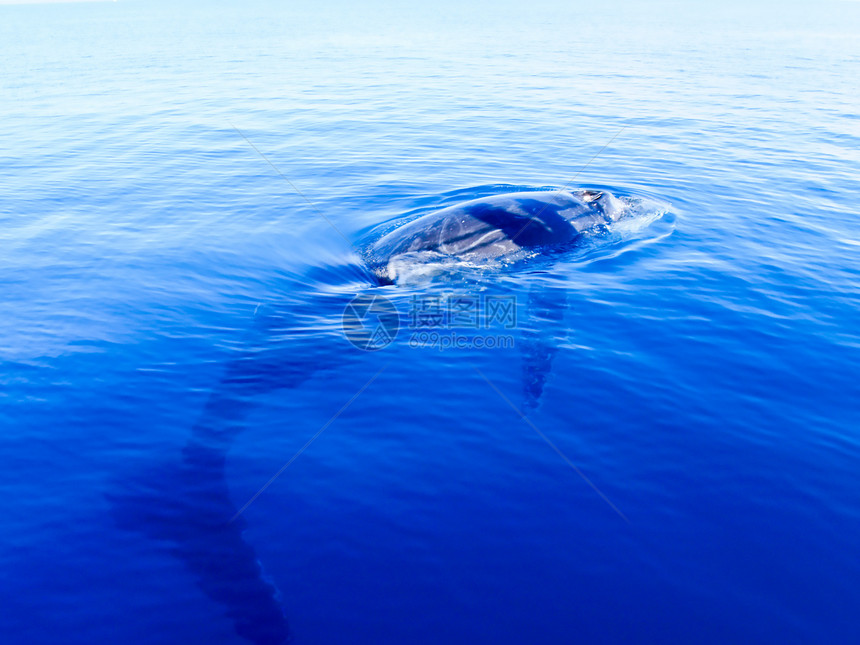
{"x": 496, "y": 228}
{"x": 184, "y": 501}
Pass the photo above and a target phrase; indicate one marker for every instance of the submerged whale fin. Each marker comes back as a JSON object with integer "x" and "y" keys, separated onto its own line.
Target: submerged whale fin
{"x": 185, "y": 502}
{"x": 545, "y": 310}
{"x": 187, "y": 505}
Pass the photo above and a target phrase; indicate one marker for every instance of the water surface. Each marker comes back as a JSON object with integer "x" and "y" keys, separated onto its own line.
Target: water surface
{"x": 700, "y": 370}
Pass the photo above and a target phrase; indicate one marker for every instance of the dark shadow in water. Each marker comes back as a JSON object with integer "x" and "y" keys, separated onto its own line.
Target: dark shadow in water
{"x": 538, "y": 343}
{"x": 187, "y": 504}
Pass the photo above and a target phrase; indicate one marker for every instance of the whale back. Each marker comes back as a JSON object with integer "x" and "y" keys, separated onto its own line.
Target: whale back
{"x": 490, "y": 228}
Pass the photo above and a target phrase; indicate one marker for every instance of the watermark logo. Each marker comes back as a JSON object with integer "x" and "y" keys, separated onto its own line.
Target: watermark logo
{"x": 370, "y": 322}
{"x": 453, "y": 340}
{"x": 443, "y": 322}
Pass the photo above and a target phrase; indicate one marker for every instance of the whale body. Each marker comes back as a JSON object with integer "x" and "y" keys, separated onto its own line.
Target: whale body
{"x": 186, "y": 503}
{"x": 499, "y": 227}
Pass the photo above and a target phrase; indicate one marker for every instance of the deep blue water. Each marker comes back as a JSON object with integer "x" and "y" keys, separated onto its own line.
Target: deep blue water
{"x": 173, "y": 326}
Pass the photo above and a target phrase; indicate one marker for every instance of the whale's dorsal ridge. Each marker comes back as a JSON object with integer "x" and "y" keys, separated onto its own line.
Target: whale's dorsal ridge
{"x": 497, "y": 227}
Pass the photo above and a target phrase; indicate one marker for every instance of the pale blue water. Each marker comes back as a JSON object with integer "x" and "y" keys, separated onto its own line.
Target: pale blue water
{"x": 698, "y": 365}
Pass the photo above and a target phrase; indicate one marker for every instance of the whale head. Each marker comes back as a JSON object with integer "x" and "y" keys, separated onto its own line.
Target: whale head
{"x": 606, "y": 203}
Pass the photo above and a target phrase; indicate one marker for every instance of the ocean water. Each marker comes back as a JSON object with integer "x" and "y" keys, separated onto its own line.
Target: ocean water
{"x": 655, "y": 438}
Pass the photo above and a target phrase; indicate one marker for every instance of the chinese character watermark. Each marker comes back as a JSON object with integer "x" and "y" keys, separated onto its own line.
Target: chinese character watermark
{"x": 371, "y": 322}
